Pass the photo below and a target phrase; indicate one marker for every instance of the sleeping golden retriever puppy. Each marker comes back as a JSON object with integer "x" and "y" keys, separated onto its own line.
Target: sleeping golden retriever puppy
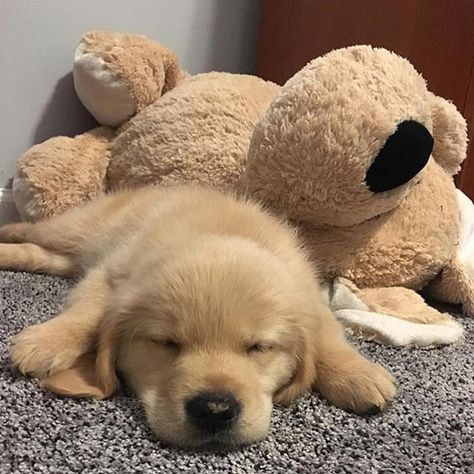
{"x": 205, "y": 303}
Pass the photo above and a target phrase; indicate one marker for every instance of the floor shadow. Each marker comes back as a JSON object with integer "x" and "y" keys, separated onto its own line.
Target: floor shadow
{"x": 64, "y": 114}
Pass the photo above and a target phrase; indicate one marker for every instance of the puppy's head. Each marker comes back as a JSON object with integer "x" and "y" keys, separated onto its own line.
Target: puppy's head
{"x": 207, "y": 338}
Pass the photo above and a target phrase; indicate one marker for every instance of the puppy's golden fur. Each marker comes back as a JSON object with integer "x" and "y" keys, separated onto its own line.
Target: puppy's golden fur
{"x": 187, "y": 292}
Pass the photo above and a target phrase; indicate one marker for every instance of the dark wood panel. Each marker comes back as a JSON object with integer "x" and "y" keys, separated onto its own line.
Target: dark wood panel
{"x": 466, "y": 178}
{"x": 437, "y": 36}
{"x": 294, "y": 32}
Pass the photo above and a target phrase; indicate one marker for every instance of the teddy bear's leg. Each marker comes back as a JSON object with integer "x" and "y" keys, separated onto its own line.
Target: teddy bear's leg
{"x": 396, "y": 316}
{"x": 454, "y": 285}
{"x": 117, "y": 75}
{"x": 61, "y": 173}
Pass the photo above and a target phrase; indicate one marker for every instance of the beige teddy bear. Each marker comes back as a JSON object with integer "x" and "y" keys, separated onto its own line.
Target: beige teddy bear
{"x": 360, "y": 154}
{"x": 354, "y": 149}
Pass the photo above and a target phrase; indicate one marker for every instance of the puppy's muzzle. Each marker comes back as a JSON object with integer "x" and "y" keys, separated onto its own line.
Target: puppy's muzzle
{"x": 212, "y": 411}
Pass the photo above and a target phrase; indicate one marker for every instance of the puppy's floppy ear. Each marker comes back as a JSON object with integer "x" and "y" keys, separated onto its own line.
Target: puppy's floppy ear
{"x": 93, "y": 375}
{"x": 304, "y": 375}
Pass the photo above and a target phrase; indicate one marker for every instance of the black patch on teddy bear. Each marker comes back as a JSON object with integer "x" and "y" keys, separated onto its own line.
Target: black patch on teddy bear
{"x": 403, "y": 156}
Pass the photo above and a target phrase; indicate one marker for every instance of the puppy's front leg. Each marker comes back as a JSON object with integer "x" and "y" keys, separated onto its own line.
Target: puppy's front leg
{"x": 33, "y": 258}
{"x": 346, "y": 378}
{"x": 55, "y": 345}
{"x": 23, "y": 248}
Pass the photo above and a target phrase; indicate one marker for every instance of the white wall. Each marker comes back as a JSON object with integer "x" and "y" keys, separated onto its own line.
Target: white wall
{"x": 38, "y": 37}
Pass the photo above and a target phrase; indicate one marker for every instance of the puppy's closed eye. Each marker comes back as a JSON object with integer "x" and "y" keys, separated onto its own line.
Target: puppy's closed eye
{"x": 258, "y": 348}
{"x": 168, "y": 344}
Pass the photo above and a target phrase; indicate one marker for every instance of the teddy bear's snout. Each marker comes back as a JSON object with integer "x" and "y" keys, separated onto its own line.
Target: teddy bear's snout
{"x": 404, "y": 155}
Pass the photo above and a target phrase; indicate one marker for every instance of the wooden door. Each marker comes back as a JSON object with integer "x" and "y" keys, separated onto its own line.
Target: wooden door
{"x": 437, "y": 36}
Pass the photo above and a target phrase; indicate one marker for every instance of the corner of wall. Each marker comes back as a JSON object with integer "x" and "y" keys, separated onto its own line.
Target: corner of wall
{"x": 8, "y": 211}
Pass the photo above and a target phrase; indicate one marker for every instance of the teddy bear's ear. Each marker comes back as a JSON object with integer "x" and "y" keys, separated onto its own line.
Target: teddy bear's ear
{"x": 449, "y": 133}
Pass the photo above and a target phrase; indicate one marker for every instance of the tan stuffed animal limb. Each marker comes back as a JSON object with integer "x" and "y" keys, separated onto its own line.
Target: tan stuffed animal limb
{"x": 115, "y": 76}
{"x": 61, "y": 173}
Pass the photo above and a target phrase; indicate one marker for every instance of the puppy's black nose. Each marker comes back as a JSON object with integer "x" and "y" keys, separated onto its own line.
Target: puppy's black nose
{"x": 211, "y": 411}
{"x": 404, "y": 155}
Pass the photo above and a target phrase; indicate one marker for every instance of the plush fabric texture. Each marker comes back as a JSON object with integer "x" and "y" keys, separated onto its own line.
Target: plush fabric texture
{"x": 427, "y": 430}
{"x": 104, "y": 94}
{"x": 450, "y": 130}
{"x": 407, "y": 246}
{"x": 198, "y": 132}
{"x": 342, "y": 107}
{"x": 61, "y": 173}
{"x": 147, "y": 68}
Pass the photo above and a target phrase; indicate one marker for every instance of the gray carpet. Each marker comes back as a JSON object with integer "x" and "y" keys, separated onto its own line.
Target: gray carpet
{"x": 430, "y": 428}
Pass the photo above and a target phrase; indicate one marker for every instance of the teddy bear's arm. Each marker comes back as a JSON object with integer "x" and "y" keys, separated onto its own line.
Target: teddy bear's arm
{"x": 396, "y": 316}
{"x": 61, "y": 173}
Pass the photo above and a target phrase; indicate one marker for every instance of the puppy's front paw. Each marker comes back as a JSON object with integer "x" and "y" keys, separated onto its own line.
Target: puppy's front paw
{"x": 360, "y": 386}
{"x": 43, "y": 349}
